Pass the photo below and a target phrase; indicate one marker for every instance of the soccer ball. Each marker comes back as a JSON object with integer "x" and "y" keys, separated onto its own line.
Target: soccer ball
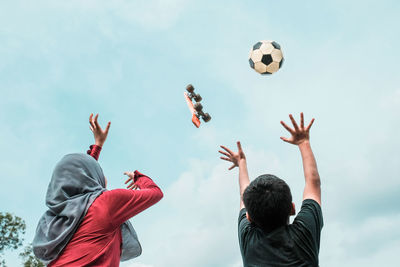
{"x": 266, "y": 57}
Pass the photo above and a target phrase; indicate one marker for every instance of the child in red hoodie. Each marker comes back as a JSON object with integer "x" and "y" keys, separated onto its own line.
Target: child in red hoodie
{"x": 87, "y": 224}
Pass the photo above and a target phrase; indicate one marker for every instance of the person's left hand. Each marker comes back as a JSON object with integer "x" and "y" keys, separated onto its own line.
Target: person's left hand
{"x": 131, "y": 179}
{"x": 100, "y": 136}
{"x": 299, "y": 134}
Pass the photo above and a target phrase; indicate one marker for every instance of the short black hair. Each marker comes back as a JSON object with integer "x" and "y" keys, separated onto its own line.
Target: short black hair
{"x": 268, "y": 201}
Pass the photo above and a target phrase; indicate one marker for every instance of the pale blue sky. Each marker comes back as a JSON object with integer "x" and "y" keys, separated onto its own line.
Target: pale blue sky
{"x": 131, "y": 60}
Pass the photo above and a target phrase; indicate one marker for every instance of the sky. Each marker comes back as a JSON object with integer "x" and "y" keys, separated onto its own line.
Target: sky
{"x": 130, "y": 61}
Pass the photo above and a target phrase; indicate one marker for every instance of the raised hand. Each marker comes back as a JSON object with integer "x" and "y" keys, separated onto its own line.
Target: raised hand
{"x": 233, "y": 157}
{"x": 131, "y": 179}
{"x": 299, "y": 134}
{"x": 100, "y": 136}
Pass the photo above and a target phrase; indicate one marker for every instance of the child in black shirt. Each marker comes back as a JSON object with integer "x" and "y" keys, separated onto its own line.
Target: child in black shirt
{"x": 265, "y": 236}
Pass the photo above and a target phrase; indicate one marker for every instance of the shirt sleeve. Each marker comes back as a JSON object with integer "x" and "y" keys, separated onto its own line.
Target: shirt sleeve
{"x": 123, "y": 204}
{"x": 310, "y": 218}
{"x": 94, "y": 151}
{"x": 243, "y": 229}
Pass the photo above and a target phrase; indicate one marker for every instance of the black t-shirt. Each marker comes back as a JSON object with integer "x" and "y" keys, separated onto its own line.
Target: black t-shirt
{"x": 296, "y": 244}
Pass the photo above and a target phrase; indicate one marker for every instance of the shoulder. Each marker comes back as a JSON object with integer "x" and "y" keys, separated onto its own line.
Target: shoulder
{"x": 306, "y": 229}
{"x": 310, "y": 207}
{"x": 245, "y": 228}
{"x": 310, "y": 216}
{"x": 243, "y": 223}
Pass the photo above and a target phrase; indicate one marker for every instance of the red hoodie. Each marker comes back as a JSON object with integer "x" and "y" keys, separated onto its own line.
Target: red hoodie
{"x": 97, "y": 241}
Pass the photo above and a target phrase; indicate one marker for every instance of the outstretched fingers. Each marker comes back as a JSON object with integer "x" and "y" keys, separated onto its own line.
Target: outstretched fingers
{"x": 285, "y": 139}
{"x": 92, "y": 126}
{"x": 224, "y": 153}
{"x": 225, "y": 158}
{"x": 132, "y": 186}
{"x": 309, "y": 125}
{"x": 290, "y": 130}
{"x": 296, "y": 127}
{"x": 131, "y": 176}
{"x": 239, "y": 146}
{"x": 301, "y": 120}
{"x": 129, "y": 179}
{"x": 108, "y": 127}
{"x": 95, "y": 121}
{"x": 229, "y": 155}
{"x": 227, "y": 150}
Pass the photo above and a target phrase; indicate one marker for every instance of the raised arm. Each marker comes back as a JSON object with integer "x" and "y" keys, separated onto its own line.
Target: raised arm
{"x": 100, "y": 136}
{"x": 301, "y": 138}
{"x": 239, "y": 160}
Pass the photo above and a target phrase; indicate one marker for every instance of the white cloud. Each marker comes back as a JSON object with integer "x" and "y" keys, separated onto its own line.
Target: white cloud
{"x": 370, "y": 242}
{"x": 201, "y": 228}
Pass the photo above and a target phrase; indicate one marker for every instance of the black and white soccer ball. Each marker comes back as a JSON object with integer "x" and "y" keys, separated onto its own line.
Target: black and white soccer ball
{"x": 266, "y": 57}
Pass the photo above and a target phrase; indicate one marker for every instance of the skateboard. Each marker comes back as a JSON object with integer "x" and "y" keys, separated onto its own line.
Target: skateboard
{"x": 195, "y": 108}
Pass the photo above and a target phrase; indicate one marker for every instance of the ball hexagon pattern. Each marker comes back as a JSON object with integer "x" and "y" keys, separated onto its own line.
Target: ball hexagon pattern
{"x": 266, "y": 57}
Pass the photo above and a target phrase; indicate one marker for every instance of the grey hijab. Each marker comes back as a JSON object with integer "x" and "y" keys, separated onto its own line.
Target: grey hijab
{"x": 76, "y": 182}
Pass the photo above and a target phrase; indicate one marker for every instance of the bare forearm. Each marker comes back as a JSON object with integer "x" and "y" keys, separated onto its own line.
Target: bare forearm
{"x": 312, "y": 180}
{"x": 309, "y": 163}
{"x": 243, "y": 179}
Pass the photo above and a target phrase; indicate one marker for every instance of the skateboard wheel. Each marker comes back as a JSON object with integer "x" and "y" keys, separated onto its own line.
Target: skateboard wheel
{"x": 190, "y": 88}
{"x": 197, "y": 98}
{"x": 198, "y": 106}
{"x": 206, "y": 117}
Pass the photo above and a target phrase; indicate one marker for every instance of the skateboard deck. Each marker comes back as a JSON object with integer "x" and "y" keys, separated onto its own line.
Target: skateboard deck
{"x": 195, "y": 119}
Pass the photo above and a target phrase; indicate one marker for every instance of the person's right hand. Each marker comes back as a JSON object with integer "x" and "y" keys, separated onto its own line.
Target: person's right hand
{"x": 299, "y": 134}
{"x": 232, "y": 156}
